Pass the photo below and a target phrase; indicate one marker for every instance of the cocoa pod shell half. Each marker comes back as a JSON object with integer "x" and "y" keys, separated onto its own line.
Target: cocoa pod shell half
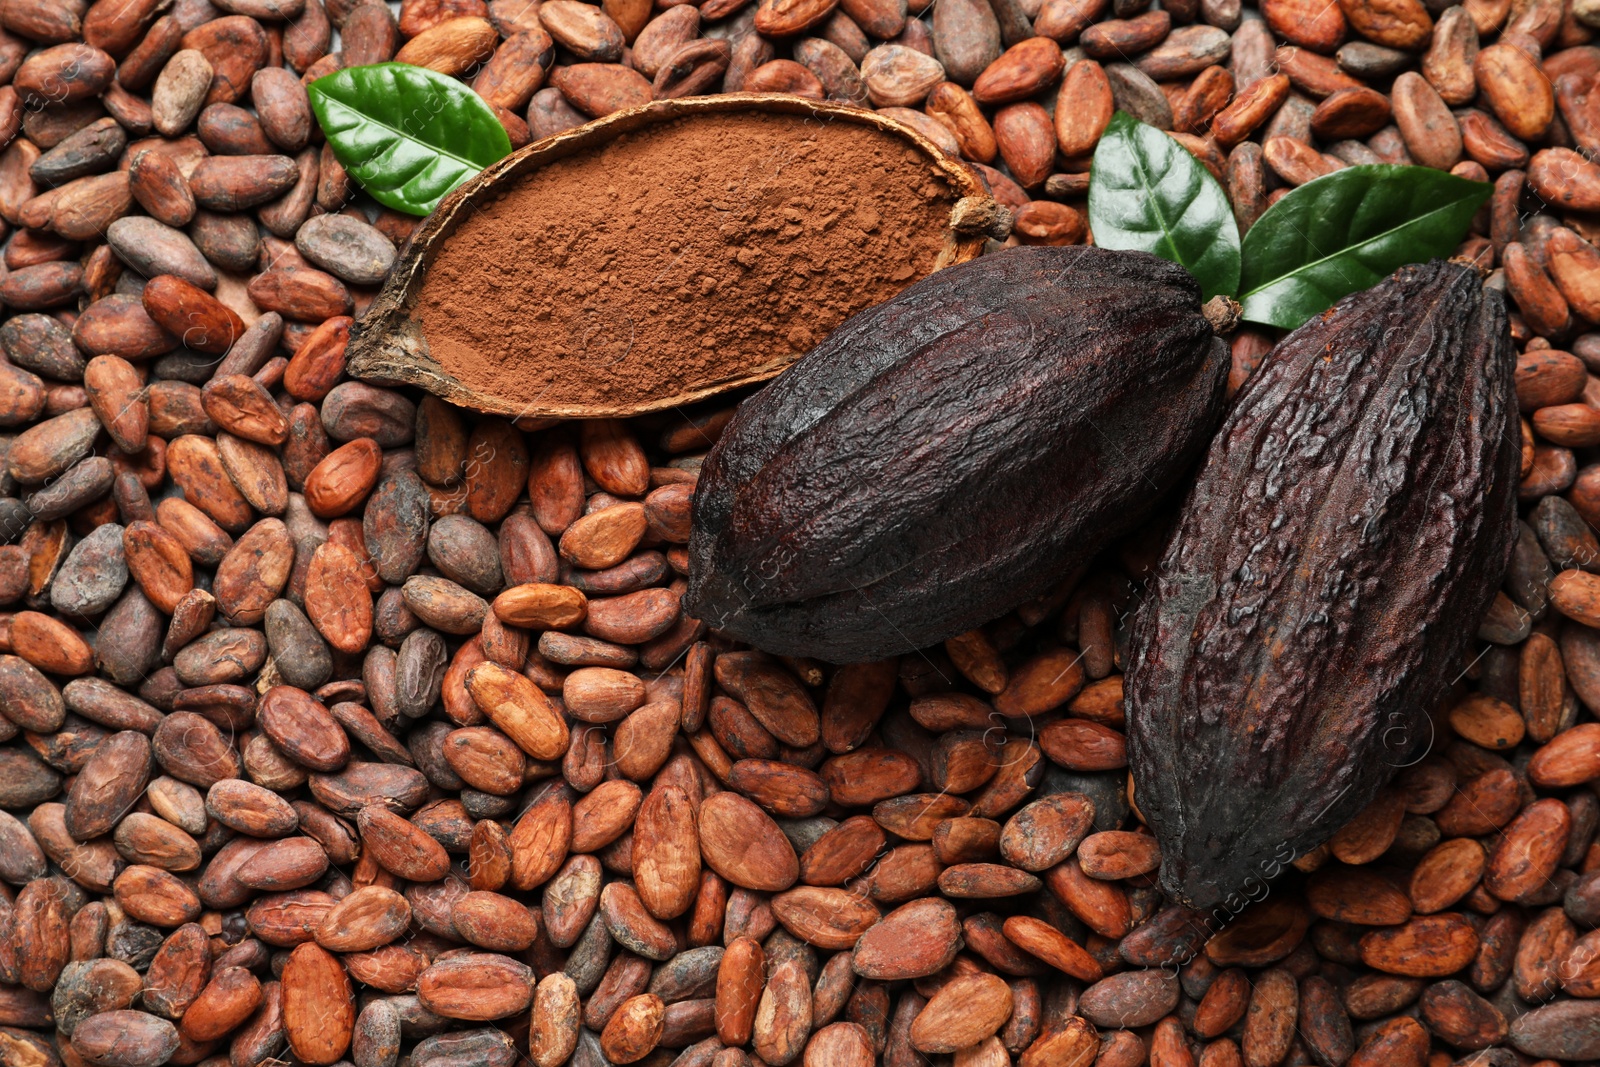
{"x": 393, "y": 344}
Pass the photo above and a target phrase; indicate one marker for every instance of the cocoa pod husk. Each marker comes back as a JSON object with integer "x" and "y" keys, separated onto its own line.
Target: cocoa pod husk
{"x": 1249, "y": 637}
{"x": 390, "y": 344}
{"x": 868, "y": 575}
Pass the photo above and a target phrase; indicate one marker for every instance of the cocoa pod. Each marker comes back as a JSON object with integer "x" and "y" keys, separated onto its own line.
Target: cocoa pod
{"x": 759, "y": 573}
{"x": 1440, "y": 512}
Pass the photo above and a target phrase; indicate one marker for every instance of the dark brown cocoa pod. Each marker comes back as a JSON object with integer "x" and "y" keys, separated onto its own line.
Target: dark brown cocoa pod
{"x": 1040, "y": 401}
{"x": 1350, "y": 525}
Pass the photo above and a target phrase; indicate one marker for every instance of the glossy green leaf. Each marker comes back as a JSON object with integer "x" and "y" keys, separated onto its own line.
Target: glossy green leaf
{"x": 406, "y": 134}
{"x": 1345, "y": 232}
{"x": 1148, "y": 194}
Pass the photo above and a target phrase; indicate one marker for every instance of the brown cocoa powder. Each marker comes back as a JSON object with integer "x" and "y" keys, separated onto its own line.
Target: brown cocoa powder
{"x": 623, "y": 272}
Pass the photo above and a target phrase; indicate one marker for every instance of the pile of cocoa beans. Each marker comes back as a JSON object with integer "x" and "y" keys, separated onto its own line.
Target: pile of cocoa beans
{"x": 339, "y": 725}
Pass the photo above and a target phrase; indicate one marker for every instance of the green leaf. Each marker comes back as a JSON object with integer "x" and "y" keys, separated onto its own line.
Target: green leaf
{"x": 1347, "y": 231}
{"x": 1148, "y": 194}
{"x": 408, "y": 135}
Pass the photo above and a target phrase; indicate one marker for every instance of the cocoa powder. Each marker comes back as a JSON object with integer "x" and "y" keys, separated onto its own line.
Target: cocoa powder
{"x": 620, "y": 273}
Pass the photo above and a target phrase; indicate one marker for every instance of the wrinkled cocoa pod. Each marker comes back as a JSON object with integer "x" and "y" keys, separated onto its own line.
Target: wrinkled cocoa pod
{"x": 1351, "y": 523}
{"x": 943, "y": 456}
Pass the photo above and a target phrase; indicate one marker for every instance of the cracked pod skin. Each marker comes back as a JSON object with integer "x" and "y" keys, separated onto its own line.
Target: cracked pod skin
{"x": 953, "y": 452}
{"x": 1352, "y": 521}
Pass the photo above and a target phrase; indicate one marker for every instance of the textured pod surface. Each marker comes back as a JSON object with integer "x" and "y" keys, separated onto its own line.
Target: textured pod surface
{"x": 1351, "y": 523}
{"x": 948, "y": 454}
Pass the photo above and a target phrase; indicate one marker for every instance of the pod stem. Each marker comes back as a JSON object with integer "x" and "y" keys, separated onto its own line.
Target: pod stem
{"x": 1222, "y": 312}
{"x": 981, "y": 216}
